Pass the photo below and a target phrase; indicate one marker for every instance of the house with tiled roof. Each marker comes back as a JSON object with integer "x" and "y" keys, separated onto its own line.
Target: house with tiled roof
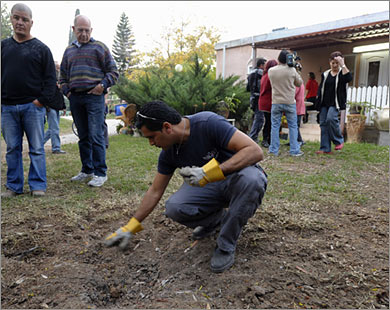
{"x": 363, "y": 40}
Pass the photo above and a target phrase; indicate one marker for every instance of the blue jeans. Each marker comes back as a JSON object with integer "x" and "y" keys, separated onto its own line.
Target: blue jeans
{"x": 330, "y": 128}
{"x": 88, "y": 115}
{"x": 53, "y": 131}
{"x": 15, "y": 120}
{"x": 257, "y": 124}
{"x": 241, "y": 191}
{"x": 276, "y": 117}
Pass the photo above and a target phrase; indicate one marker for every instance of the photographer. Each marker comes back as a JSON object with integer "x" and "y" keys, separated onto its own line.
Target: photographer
{"x": 284, "y": 78}
{"x": 254, "y": 87}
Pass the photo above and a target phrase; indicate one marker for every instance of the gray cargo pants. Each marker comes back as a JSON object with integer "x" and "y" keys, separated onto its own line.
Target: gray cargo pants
{"x": 241, "y": 191}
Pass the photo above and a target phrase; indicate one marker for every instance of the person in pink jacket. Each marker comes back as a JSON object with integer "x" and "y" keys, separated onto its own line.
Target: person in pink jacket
{"x": 265, "y": 102}
{"x": 301, "y": 109}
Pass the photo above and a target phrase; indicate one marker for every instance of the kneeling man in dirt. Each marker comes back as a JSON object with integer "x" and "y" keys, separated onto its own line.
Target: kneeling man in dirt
{"x": 223, "y": 183}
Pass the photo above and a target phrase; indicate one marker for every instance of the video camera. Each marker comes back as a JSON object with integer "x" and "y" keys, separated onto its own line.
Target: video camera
{"x": 292, "y": 61}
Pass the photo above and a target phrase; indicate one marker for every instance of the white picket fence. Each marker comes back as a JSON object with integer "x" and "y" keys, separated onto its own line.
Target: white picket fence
{"x": 378, "y": 96}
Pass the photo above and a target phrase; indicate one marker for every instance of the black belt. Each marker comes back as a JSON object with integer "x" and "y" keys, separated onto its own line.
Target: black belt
{"x": 81, "y": 91}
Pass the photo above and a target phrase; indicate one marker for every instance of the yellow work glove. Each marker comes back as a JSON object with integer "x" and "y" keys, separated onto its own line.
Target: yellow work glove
{"x": 124, "y": 234}
{"x": 200, "y": 176}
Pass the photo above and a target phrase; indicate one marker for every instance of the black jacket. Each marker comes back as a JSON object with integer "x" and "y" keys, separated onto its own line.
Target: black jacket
{"x": 253, "y": 85}
{"x": 341, "y": 85}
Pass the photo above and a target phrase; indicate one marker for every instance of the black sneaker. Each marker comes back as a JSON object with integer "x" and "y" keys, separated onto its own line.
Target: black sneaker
{"x": 265, "y": 144}
{"x": 221, "y": 260}
{"x": 202, "y": 232}
{"x": 59, "y": 152}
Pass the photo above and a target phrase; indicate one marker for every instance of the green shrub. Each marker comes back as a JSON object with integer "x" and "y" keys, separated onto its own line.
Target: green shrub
{"x": 192, "y": 90}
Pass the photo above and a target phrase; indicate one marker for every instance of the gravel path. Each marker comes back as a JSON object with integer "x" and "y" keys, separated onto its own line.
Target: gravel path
{"x": 65, "y": 139}
{"x": 72, "y": 138}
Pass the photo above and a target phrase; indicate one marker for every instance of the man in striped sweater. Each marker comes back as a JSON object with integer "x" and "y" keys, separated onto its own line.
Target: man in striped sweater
{"x": 87, "y": 70}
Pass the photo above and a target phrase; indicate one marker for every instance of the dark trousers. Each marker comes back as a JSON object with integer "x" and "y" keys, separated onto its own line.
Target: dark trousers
{"x": 258, "y": 120}
{"x": 267, "y": 127}
{"x": 195, "y": 206}
{"x": 88, "y": 115}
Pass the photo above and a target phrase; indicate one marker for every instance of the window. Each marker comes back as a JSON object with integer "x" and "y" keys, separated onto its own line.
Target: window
{"x": 373, "y": 73}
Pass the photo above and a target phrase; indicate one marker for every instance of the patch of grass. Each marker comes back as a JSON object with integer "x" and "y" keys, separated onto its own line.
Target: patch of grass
{"x": 65, "y": 126}
{"x": 132, "y": 163}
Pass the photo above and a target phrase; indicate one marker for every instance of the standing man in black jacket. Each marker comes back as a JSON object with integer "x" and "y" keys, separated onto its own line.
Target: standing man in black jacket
{"x": 28, "y": 81}
{"x": 254, "y": 87}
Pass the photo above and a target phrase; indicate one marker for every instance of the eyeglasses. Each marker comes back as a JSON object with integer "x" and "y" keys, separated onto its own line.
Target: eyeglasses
{"x": 83, "y": 30}
{"x": 149, "y": 117}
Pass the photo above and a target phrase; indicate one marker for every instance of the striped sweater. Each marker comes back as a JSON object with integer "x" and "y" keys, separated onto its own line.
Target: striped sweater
{"x": 84, "y": 66}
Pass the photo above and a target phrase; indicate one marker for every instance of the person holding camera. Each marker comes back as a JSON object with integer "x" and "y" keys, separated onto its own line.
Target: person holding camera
{"x": 253, "y": 86}
{"x": 284, "y": 79}
{"x": 332, "y": 98}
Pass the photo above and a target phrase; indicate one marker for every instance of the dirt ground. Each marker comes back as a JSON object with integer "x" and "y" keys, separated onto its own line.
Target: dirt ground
{"x": 48, "y": 264}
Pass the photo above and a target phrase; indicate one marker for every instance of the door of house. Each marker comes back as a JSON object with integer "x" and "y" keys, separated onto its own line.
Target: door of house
{"x": 374, "y": 69}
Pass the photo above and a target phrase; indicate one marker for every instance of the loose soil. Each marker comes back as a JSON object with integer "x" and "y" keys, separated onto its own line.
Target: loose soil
{"x": 47, "y": 263}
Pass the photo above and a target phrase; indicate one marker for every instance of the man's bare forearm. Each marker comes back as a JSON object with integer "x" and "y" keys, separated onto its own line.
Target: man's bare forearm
{"x": 152, "y": 196}
{"x": 245, "y": 157}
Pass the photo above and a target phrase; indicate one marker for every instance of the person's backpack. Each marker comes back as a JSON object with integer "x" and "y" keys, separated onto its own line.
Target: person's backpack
{"x": 254, "y": 82}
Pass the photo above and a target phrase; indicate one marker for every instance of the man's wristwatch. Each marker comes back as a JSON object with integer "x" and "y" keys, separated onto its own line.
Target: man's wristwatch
{"x": 102, "y": 85}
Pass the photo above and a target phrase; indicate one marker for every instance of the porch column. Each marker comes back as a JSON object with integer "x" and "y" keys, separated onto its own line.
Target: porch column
{"x": 223, "y": 61}
{"x": 253, "y": 55}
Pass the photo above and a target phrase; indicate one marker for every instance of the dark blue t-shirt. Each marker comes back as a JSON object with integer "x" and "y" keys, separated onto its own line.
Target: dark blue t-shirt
{"x": 209, "y": 136}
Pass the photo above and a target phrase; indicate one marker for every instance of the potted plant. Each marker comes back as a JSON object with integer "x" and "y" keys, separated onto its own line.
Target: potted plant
{"x": 224, "y": 107}
{"x": 356, "y": 120}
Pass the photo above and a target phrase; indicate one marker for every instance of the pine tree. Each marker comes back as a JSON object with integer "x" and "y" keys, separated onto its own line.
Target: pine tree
{"x": 6, "y": 27}
{"x": 72, "y": 37}
{"x": 122, "y": 49}
{"x": 189, "y": 91}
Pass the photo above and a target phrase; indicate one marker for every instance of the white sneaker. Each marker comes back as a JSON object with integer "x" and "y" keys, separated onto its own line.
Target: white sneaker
{"x": 97, "y": 181}
{"x": 81, "y": 177}
{"x": 297, "y": 154}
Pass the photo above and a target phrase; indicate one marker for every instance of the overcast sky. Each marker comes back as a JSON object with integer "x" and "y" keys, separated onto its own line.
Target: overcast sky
{"x": 233, "y": 19}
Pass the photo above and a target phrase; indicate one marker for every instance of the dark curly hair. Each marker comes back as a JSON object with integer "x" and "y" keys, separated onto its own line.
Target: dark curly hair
{"x": 153, "y": 114}
{"x": 282, "y": 58}
{"x": 260, "y": 61}
{"x": 335, "y": 54}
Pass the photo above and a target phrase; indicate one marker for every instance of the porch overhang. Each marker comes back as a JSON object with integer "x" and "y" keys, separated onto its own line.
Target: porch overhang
{"x": 352, "y": 30}
{"x": 318, "y": 39}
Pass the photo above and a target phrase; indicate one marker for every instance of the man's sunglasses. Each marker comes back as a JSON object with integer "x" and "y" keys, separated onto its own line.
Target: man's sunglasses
{"x": 149, "y": 117}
